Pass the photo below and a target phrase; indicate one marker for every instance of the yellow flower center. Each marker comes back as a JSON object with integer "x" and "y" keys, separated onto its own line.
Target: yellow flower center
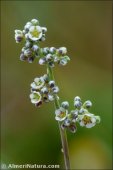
{"x": 35, "y": 33}
{"x": 87, "y": 119}
{"x": 62, "y": 114}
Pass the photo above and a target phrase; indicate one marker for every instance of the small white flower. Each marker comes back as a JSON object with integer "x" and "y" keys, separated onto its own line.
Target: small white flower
{"x": 88, "y": 120}
{"x": 35, "y": 33}
{"x": 38, "y": 83}
{"x": 35, "y": 97}
{"x": 61, "y": 114}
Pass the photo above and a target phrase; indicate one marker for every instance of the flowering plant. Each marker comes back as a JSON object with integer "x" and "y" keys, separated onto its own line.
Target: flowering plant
{"x": 44, "y": 88}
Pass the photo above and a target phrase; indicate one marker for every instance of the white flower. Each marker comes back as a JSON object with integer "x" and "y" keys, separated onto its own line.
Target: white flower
{"x": 61, "y": 114}
{"x": 35, "y": 97}
{"x": 88, "y": 120}
{"x": 35, "y": 33}
{"x": 38, "y": 83}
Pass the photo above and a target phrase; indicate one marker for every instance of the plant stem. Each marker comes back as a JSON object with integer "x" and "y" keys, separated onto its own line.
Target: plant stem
{"x": 62, "y": 132}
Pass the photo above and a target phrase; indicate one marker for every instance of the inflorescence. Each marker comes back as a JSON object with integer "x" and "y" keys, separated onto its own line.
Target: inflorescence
{"x": 80, "y": 114}
{"x": 32, "y": 35}
{"x": 43, "y": 89}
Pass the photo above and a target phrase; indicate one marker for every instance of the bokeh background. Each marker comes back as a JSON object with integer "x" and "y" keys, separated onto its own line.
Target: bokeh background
{"x": 31, "y": 135}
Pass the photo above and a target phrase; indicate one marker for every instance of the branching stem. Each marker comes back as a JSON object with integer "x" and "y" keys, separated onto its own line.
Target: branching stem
{"x": 62, "y": 131}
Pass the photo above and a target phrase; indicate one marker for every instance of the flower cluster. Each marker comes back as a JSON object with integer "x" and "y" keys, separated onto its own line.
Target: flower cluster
{"x": 80, "y": 114}
{"x": 43, "y": 90}
{"x": 53, "y": 55}
{"x": 32, "y": 34}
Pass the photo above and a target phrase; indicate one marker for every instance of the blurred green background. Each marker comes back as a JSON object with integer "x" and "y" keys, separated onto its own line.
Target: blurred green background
{"x": 30, "y": 134}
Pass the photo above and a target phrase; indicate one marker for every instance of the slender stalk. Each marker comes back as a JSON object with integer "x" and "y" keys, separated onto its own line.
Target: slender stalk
{"x": 62, "y": 132}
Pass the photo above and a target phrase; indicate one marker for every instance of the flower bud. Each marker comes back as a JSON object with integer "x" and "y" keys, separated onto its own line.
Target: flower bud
{"x": 87, "y": 104}
{"x": 56, "y": 58}
{"x": 45, "y": 50}
{"x": 35, "y": 48}
{"x": 18, "y": 38}
{"x": 23, "y": 49}
{"x": 44, "y": 90}
{"x": 83, "y": 111}
{"x": 27, "y": 26}
{"x": 35, "y": 22}
{"x": 72, "y": 128}
{"x": 27, "y": 36}
{"x": 42, "y": 61}
{"x": 51, "y": 64}
{"x": 63, "y": 126}
{"x": 48, "y": 57}
{"x": 50, "y": 97}
{"x": 23, "y": 57}
{"x": 52, "y": 50}
{"x": 51, "y": 83}
{"x": 30, "y": 59}
{"x": 27, "y": 52}
{"x": 44, "y": 29}
{"x": 45, "y": 98}
{"x": 77, "y": 98}
{"x": 62, "y": 50}
{"x": 67, "y": 122}
{"x": 73, "y": 115}
{"x": 55, "y": 89}
{"x": 63, "y": 62}
{"x": 28, "y": 44}
{"x": 42, "y": 38}
{"x": 46, "y": 78}
{"x": 77, "y": 104}
{"x": 65, "y": 105}
{"x": 38, "y": 104}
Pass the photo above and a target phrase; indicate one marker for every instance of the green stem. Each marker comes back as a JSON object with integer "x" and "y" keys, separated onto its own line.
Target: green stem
{"x": 62, "y": 132}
